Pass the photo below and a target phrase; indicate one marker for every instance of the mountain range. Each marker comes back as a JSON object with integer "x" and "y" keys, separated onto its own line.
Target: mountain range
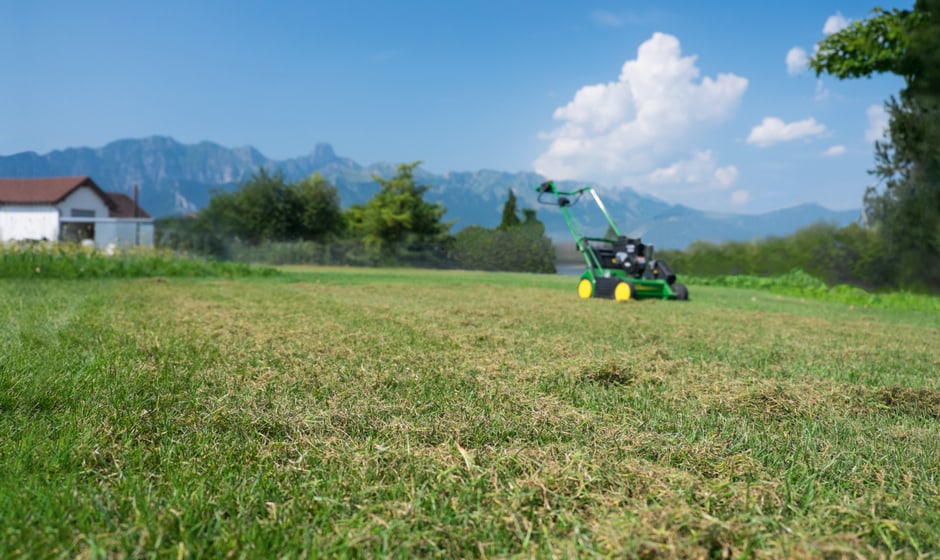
{"x": 177, "y": 178}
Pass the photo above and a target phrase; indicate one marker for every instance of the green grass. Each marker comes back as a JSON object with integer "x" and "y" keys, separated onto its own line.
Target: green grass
{"x": 351, "y": 412}
{"x": 799, "y": 283}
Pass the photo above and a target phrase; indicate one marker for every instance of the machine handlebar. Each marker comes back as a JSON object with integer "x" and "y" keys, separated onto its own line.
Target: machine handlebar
{"x": 562, "y": 198}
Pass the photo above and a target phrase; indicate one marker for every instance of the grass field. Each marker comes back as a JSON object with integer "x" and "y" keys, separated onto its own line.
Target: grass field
{"x": 344, "y": 412}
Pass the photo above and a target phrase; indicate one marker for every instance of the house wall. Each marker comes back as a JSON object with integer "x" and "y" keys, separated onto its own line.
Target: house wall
{"x": 29, "y": 222}
{"x": 83, "y": 198}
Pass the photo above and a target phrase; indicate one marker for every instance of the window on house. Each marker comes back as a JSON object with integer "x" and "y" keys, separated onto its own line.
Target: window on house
{"x": 81, "y": 213}
{"x": 76, "y": 231}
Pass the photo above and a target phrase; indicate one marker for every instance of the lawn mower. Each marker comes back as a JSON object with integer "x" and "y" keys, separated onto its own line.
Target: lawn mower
{"x": 621, "y": 268}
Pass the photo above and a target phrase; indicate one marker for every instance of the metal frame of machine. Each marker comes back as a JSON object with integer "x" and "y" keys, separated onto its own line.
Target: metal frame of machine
{"x": 623, "y": 268}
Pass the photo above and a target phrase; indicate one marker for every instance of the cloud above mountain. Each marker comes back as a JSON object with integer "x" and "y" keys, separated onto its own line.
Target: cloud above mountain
{"x": 641, "y": 129}
{"x": 835, "y": 151}
{"x": 700, "y": 171}
{"x": 773, "y": 131}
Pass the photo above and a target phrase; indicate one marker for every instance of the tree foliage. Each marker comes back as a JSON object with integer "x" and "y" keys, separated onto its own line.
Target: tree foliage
{"x": 510, "y": 216}
{"x": 268, "y": 208}
{"x": 318, "y": 206}
{"x": 851, "y": 255}
{"x": 872, "y": 46}
{"x": 265, "y": 208}
{"x": 515, "y": 245}
{"x": 268, "y": 219}
{"x": 905, "y": 206}
{"x": 398, "y": 215}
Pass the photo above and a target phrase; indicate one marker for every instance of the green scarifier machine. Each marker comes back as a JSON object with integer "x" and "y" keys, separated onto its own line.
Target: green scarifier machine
{"x": 621, "y": 268}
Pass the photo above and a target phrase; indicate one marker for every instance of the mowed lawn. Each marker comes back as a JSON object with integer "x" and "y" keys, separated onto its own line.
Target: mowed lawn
{"x": 345, "y": 412}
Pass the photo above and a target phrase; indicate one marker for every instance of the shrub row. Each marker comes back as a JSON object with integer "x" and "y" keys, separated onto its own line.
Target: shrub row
{"x": 798, "y": 283}
{"x": 64, "y": 260}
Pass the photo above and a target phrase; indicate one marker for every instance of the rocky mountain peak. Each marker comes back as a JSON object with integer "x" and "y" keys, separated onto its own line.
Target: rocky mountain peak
{"x": 180, "y": 178}
{"x": 323, "y": 154}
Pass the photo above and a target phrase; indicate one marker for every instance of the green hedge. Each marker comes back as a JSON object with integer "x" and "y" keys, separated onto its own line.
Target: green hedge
{"x": 65, "y": 260}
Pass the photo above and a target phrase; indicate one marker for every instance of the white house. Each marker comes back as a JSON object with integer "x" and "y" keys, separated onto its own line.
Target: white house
{"x": 70, "y": 209}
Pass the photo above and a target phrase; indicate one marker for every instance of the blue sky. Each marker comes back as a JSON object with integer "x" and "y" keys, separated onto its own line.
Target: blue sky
{"x": 700, "y": 103}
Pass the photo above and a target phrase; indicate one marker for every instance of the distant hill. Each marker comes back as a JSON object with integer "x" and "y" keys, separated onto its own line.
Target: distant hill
{"x": 177, "y": 178}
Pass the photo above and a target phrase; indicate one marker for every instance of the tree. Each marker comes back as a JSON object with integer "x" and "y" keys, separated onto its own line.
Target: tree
{"x": 529, "y": 219}
{"x": 319, "y": 214}
{"x": 519, "y": 247}
{"x": 268, "y": 208}
{"x": 260, "y": 210}
{"x": 873, "y": 46}
{"x": 398, "y": 215}
{"x": 510, "y": 218}
{"x": 906, "y": 209}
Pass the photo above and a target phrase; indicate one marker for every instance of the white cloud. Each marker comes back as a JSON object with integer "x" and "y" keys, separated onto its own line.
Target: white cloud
{"x": 726, "y": 176}
{"x": 701, "y": 171}
{"x": 834, "y": 151}
{"x": 606, "y": 19}
{"x": 773, "y": 130}
{"x": 627, "y": 131}
{"x": 688, "y": 171}
{"x": 797, "y": 61}
{"x": 877, "y": 123}
{"x": 740, "y": 198}
{"x": 835, "y": 23}
{"x": 822, "y": 92}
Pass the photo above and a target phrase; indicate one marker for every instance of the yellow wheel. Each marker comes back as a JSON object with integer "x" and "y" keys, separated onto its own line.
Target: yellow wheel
{"x": 624, "y": 291}
{"x": 585, "y": 288}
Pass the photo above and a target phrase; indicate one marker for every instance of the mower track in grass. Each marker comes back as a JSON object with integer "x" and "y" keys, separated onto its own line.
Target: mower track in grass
{"x": 405, "y": 413}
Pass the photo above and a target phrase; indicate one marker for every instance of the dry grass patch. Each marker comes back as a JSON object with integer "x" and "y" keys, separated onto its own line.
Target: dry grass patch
{"x": 444, "y": 414}
{"x": 918, "y": 402}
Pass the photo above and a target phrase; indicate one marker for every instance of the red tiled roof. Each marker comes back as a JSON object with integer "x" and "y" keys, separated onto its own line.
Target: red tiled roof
{"x": 124, "y": 207}
{"x": 48, "y": 190}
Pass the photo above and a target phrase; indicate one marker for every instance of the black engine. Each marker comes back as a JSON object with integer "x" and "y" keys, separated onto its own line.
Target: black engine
{"x": 636, "y": 259}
